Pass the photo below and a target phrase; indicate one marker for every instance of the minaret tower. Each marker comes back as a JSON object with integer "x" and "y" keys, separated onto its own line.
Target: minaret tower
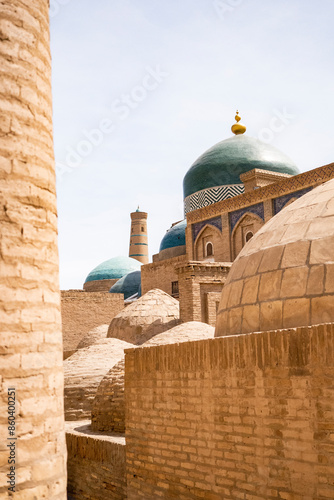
{"x": 138, "y": 237}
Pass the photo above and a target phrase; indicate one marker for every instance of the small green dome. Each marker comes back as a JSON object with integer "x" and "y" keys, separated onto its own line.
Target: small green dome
{"x": 223, "y": 164}
{"x": 129, "y": 284}
{"x": 175, "y": 236}
{"x": 114, "y": 268}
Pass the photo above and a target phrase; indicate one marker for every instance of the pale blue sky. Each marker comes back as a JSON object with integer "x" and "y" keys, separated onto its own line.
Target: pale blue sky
{"x": 261, "y": 56}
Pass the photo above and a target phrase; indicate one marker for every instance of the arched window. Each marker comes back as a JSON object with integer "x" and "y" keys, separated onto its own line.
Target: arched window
{"x": 209, "y": 249}
{"x": 142, "y": 229}
{"x": 248, "y": 236}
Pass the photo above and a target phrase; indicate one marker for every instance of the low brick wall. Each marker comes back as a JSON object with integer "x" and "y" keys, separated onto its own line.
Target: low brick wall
{"x": 82, "y": 311}
{"x": 244, "y": 417}
{"x": 95, "y": 464}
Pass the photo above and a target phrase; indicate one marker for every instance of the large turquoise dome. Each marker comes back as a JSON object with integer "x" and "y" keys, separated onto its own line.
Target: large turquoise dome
{"x": 114, "y": 268}
{"x": 175, "y": 236}
{"x": 220, "y": 167}
{"x": 128, "y": 285}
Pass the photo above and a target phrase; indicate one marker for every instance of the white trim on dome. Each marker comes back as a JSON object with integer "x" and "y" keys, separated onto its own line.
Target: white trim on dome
{"x": 212, "y": 195}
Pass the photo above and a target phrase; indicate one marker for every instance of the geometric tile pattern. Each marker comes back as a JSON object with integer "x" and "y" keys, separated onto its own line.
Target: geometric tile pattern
{"x": 280, "y": 202}
{"x": 215, "y": 221}
{"x": 207, "y": 197}
{"x": 237, "y": 214}
{"x": 293, "y": 184}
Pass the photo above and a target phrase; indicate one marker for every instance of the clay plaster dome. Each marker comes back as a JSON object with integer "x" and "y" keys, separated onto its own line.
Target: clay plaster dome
{"x": 128, "y": 285}
{"x": 108, "y": 408}
{"x": 284, "y": 276}
{"x": 83, "y": 372}
{"x": 215, "y": 175}
{"x": 95, "y": 335}
{"x": 153, "y": 313}
{"x": 186, "y": 332}
{"x": 175, "y": 236}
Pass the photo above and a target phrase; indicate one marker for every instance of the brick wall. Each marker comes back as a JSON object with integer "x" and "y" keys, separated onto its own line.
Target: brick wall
{"x": 196, "y": 280}
{"x": 212, "y": 304}
{"x": 95, "y": 466}
{"x": 247, "y": 417}
{"x": 30, "y": 327}
{"x": 160, "y": 274}
{"x": 83, "y": 311}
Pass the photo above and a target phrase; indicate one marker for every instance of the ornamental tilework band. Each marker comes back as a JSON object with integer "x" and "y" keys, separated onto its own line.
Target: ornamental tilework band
{"x": 280, "y": 202}
{"x": 254, "y": 209}
{"x": 292, "y": 184}
{"x": 197, "y": 228}
{"x": 212, "y": 195}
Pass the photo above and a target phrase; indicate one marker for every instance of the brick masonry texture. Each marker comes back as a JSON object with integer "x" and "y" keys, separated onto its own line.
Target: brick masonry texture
{"x": 108, "y": 409}
{"x": 83, "y": 311}
{"x": 96, "y": 464}
{"x": 84, "y": 371}
{"x": 93, "y": 336}
{"x": 199, "y": 284}
{"x": 160, "y": 274}
{"x": 244, "y": 417}
{"x": 283, "y": 276}
{"x": 153, "y": 313}
{"x": 31, "y": 342}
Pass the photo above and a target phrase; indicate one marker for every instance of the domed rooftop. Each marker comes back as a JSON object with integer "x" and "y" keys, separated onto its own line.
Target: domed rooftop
{"x": 223, "y": 163}
{"x": 153, "y": 313}
{"x": 95, "y": 335}
{"x": 128, "y": 285}
{"x": 284, "y": 276}
{"x": 175, "y": 236}
{"x": 114, "y": 268}
{"x": 108, "y": 409}
{"x": 83, "y": 372}
{"x": 186, "y": 332}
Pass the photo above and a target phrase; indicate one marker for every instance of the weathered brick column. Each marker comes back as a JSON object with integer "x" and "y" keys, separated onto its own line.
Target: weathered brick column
{"x": 30, "y": 332}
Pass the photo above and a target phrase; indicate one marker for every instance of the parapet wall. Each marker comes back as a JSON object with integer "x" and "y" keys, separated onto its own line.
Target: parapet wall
{"x": 83, "y": 311}
{"x": 243, "y": 417}
{"x": 96, "y": 465}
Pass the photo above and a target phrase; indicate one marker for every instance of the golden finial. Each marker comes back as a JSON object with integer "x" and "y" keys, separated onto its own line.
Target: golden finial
{"x": 238, "y": 128}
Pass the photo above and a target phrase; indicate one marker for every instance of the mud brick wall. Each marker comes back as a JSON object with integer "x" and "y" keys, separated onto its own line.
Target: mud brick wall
{"x": 96, "y": 468}
{"x": 246, "y": 417}
{"x": 160, "y": 274}
{"x": 83, "y": 311}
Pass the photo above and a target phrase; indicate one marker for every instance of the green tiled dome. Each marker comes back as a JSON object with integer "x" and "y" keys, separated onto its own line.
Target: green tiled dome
{"x": 129, "y": 284}
{"x": 114, "y": 268}
{"x": 223, "y": 164}
{"x": 175, "y": 236}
